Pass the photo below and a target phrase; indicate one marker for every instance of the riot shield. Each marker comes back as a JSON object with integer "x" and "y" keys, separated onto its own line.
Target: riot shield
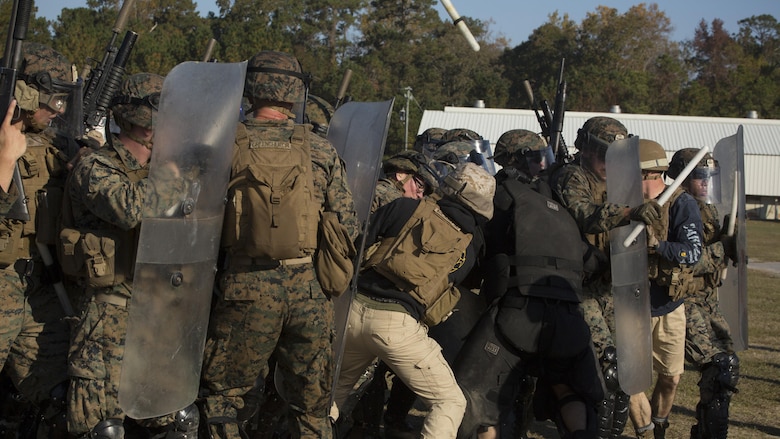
{"x": 358, "y": 130}
{"x": 177, "y": 251}
{"x": 630, "y": 284}
{"x": 732, "y": 293}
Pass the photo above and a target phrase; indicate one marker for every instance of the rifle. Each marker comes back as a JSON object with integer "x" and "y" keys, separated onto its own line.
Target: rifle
{"x": 12, "y": 62}
{"x": 551, "y": 122}
{"x": 209, "y": 49}
{"x": 556, "y": 140}
{"x": 105, "y": 79}
{"x": 343, "y": 88}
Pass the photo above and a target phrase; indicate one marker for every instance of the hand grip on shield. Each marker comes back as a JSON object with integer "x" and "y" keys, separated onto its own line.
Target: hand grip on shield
{"x": 667, "y": 194}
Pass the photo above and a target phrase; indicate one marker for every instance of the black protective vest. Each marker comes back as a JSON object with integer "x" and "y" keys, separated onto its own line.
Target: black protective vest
{"x": 547, "y": 260}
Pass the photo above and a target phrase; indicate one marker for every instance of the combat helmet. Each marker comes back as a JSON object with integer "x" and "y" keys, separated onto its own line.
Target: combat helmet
{"x": 519, "y": 148}
{"x": 276, "y": 77}
{"x": 427, "y": 141}
{"x": 414, "y": 163}
{"x": 652, "y": 156}
{"x": 460, "y": 134}
{"x": 598, "y": 132}
{"x": 137, "y": 101}
{"x": 471, "y": 186}
{"x": 46, "y": 78}
{"x": 707, "y": 170}
{"x": 318, "y": 113}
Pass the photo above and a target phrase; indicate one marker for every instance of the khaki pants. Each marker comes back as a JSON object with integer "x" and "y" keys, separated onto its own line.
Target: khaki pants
{"x": 403, "y": 344}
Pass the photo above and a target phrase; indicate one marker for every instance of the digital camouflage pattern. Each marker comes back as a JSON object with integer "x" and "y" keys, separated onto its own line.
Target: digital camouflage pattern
{"x": 144, "y": 86}
{"x": 427, "y": 141}
{"x": 473, "y": 187}
{"x": 269, "y": 308}
{"x": 605, "y": 128}
{"x": 104, "y": 196}
{"x": 459, "y": 134}
{"x": 585, "y": 197}
{"x": 44, "y": 70}
{"x": 386, "y": 191}
{"x": 276, "y": 87}
{"x": 707, "y": 332}
{"x": 513, "y": 141}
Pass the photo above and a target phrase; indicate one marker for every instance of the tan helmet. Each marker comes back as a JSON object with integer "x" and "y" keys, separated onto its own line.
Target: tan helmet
{"x": 471, "y": 186}
{"x": 652, "y": 156}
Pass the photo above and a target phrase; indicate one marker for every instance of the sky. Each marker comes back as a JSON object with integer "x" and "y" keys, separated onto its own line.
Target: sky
{"x": 516, "y": 19}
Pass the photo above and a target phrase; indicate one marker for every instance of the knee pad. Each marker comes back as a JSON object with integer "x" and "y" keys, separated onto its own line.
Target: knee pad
{"x": 108, "y": 429}
{"x": 610, "y": 370}
{"x": 728, "y": 367}
{"x": 604, "y": 415}
{"x": 186, "y": 421}
{"x": 55, "y": 410}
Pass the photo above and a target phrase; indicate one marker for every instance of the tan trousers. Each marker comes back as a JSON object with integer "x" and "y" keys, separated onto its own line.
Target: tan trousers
{"x": 403, "y": 344}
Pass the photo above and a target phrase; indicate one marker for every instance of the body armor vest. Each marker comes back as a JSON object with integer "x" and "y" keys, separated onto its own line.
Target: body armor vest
{"x": 547, "y": 261}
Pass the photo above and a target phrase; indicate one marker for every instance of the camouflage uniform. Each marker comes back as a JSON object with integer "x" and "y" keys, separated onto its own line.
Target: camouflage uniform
{"x": 33, "y": 330}
{"x": 109, "y": 191}
{"x": 281, "y": 309}
{"x": 385, "y": 192}
{"x": 584, "y": 195}
{"x": 707, "y": 331}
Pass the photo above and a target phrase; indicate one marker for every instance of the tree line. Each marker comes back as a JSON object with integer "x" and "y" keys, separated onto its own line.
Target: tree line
{"x": 626, "y": 59}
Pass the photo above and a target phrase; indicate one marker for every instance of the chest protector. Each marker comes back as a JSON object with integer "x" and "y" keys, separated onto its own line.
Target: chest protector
{"x": 547, "y": 261}
{"x": 271, "y": 212}
{"x": 100, "y": 258}
{"x": 678, "y": 278}
{"x": 43, "y": 171}
{"x": 420, "y": 258}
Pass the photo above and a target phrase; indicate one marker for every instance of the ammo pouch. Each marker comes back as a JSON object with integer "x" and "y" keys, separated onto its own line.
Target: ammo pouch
{"x": 10, "y": 242}
{"x": 98, "y": 257}
{"x": 419, "y": 260}
{"x": 678, "y": 279}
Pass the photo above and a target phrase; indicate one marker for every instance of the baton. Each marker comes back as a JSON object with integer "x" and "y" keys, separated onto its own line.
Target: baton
{"x": 733, "y": 216}
{"x": 669, "y": 191}
{"x": 457, "y": 20}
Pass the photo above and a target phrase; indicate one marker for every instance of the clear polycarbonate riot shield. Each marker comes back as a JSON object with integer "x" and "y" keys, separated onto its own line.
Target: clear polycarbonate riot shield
{"x": 630, "y": 284}
{"x": 732, "y": 293}
{"x": 358, "y": 131}
{"x": 177, "y": 251}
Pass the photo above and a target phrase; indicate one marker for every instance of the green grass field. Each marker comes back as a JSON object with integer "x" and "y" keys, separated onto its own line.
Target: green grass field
{"x": 755, "y": 410}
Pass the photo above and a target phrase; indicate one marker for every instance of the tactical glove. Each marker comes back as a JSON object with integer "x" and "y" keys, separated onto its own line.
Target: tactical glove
{"x": 647, "y": 212}
{"x": 729, "y": 246}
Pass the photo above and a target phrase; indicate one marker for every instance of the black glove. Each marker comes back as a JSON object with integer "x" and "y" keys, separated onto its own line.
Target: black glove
{"x": 729, "y": 246}
{"x": 647, "y": 212}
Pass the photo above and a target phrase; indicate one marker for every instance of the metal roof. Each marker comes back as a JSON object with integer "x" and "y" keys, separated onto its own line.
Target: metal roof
{"x": 762, "y": 136}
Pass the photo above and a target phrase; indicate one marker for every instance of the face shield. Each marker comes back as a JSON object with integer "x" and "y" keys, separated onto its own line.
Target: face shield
{"x": 704, "y": 183}
{"x": 539, "y": 160}
{"x": 67, "y": 100}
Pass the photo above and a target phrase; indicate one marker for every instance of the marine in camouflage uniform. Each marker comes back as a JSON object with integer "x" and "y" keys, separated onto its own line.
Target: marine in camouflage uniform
{"x": 708, "y": 343}
{"x": 581, "y": 187}
{"x": 33, "y": 330}
{"x": 108, "y": 194}
{"x": 404, "y": 176}
{"x": 276, "y": 306}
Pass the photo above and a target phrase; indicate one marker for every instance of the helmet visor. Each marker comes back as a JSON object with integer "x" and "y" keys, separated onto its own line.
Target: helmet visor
{"x": 704, "y": 184}
{"x": 539, "y": 160}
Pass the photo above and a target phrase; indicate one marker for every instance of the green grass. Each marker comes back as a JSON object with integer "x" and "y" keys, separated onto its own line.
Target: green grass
{"x": 755, "y": 410}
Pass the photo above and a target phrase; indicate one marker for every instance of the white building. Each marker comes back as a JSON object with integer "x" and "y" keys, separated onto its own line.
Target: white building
{"x": 761, "y": 137}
